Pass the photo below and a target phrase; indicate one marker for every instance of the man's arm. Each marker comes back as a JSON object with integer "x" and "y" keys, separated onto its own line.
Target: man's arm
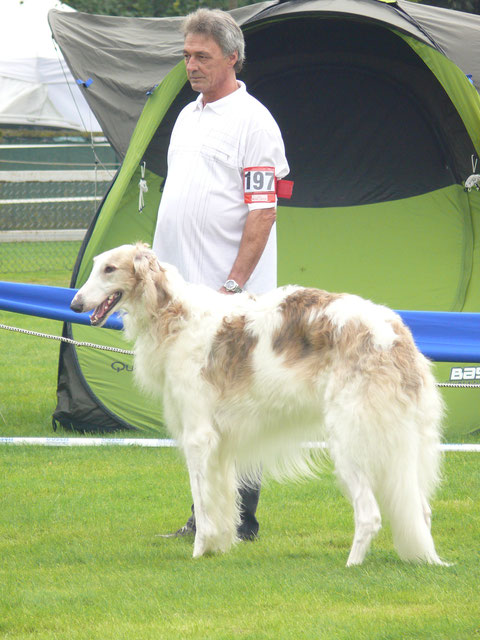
{"x": 255, "y": 235}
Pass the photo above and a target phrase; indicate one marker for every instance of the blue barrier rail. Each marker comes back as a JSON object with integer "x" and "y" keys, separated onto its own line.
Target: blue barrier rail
{"x": 46, "y": 302}
{"x": 442, "y": 336}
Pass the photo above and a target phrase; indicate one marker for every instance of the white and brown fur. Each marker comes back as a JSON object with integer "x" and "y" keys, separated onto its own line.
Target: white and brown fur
{"x": 244, "y": 381}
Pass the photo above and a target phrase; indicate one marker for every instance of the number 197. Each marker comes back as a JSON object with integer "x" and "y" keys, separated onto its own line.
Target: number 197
{"x": 259, "y": 180}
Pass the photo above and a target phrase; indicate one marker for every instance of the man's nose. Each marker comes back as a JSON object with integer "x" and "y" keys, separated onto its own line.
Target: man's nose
{"x": 191, "y": 64}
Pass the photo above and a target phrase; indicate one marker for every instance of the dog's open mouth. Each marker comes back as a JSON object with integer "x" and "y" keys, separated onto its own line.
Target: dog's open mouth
{"x": 100, "y": 313}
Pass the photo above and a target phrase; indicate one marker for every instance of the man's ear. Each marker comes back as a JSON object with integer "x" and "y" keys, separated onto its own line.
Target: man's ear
{"x": 233, "y": 58}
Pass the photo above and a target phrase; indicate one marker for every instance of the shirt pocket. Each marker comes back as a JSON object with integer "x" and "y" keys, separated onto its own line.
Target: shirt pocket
{"x": 220, "y": 149}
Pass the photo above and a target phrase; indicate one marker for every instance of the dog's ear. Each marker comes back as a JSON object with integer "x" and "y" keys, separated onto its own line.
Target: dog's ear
{"x": 144, "y": 260}
{"x": 147, "y": 269}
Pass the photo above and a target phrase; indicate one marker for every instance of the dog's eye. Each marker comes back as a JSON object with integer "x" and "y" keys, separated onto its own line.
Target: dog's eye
{"x": 109, "y": 268}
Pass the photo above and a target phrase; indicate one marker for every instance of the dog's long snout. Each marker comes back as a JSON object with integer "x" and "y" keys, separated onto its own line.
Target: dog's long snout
{"x": 76, "y": 304}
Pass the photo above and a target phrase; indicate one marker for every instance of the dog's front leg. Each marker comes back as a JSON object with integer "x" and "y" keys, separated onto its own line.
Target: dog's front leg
{"x": 212, "y": 493}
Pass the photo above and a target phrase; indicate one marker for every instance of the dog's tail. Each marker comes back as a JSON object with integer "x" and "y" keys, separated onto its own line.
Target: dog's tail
{"x": 409, "y": 514}
{"x": 413, "y": 476}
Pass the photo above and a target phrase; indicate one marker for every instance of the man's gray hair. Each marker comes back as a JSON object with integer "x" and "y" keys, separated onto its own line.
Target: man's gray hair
{"x": 220, "y": 26}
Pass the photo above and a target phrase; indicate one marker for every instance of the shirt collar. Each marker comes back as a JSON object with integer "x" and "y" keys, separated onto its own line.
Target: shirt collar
{"x": 219, "y": 106}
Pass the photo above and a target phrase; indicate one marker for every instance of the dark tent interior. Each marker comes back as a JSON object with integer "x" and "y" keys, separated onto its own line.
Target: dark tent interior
{"x": 363, "y": 118}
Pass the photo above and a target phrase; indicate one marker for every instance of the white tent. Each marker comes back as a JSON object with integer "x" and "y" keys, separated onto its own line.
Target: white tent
{"x": 36, "y": 86}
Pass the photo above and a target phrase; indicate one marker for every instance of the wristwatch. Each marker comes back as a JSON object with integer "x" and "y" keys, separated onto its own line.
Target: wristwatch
{"x": 232, "y": 286}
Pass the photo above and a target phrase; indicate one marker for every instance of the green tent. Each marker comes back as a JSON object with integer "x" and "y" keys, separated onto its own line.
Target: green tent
{"x": 381, "y": 126}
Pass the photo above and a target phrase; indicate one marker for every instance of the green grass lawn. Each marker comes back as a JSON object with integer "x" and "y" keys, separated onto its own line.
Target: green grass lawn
{"x": 81, "y": 559}
{"x": 28, "y": 370}
{"x": 28, "y": 375}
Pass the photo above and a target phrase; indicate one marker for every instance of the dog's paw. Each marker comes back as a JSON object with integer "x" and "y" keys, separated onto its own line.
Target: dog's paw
{"x": 205, "y": 545}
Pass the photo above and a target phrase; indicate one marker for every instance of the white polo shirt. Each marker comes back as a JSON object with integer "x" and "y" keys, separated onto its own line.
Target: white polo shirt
{"x": 202, "y": 212}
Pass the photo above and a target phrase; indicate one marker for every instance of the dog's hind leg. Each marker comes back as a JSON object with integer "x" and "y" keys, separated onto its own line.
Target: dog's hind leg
{"x": 368, "y": 520}
{"x": 427, "y": 512}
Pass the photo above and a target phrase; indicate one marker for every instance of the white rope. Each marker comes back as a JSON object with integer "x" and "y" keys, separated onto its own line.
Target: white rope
{"x": 458, "y": 385}
{"x": 67, "y": 340}
{"x": 454, "y": 385}
{"x": 89, "y": 442}
{"x": 163, "y": 443}
{"x": 143, "y": 188}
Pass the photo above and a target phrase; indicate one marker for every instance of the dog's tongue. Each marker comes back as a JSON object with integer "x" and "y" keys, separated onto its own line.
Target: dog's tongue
{"x": 100, "y": 311}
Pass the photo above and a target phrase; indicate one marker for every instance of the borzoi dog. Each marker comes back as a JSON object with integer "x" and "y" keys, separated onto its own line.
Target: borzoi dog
{"x": 244, "y": 381}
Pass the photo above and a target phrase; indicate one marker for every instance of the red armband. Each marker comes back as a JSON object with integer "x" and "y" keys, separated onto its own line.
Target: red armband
{"x": 285, "y": 189}
{"x": 260, "y": 185}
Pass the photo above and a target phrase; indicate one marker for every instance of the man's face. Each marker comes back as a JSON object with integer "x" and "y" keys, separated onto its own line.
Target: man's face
{"x": 209, "y": 71}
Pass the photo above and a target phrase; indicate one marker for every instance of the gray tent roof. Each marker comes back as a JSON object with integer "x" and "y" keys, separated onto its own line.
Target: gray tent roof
{"x": 126, "y": 57}
{"x": 456, "y": 32}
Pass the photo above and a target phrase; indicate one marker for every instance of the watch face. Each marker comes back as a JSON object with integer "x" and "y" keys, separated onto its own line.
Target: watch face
{"x": 230, "y": 285}
{"x": 234, "y": 287}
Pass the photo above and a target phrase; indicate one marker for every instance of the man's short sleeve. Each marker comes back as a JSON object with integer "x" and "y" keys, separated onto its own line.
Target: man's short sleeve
{"x": 265, "y": 148}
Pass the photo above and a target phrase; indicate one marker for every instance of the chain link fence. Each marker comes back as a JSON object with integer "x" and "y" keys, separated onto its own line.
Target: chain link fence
{"x": 48, "y": 197}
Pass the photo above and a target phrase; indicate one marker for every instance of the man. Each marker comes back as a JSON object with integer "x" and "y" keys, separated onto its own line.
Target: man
{"x": 216, "y": 217}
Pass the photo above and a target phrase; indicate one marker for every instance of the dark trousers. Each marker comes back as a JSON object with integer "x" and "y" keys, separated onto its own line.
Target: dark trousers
{"x": 248, "y": 528}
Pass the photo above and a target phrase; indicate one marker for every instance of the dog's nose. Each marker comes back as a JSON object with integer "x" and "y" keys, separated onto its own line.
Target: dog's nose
{"x": 76, "y": 305}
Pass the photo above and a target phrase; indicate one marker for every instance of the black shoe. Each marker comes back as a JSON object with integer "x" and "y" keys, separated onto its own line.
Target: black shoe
{"x": 187, "y": 530}
{"x": 245, "y": 535}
